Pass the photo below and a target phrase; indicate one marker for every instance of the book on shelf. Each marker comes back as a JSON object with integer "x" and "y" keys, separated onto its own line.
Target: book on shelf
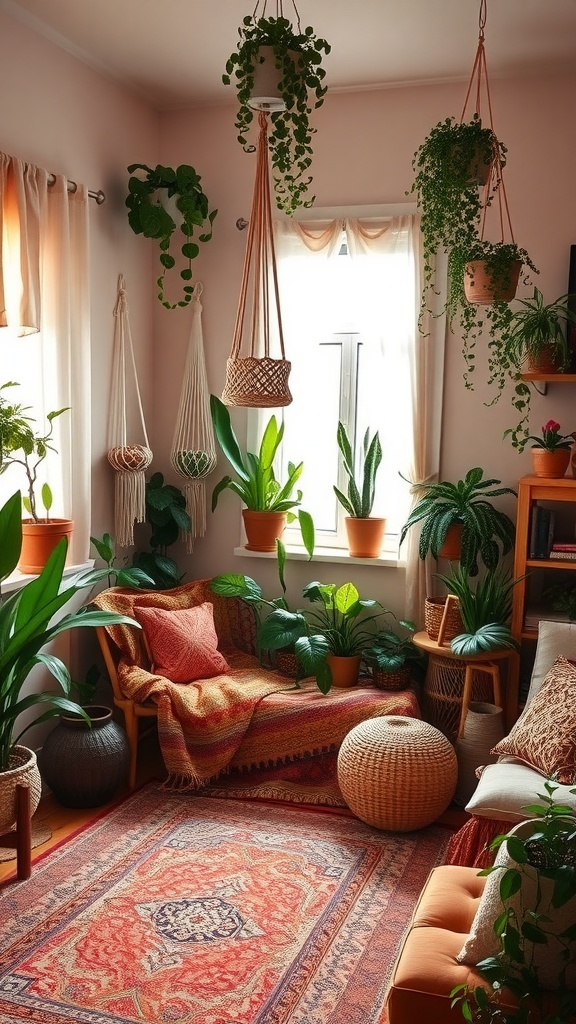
{"x": 563, "y": 545}
{"x": 562, "y": 556}
{"x": 533, "y": 616}
{"x": 534, "y": 517}
{"x": 544, "y": 533}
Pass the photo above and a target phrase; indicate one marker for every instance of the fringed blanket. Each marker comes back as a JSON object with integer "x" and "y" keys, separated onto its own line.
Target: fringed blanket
{"x": 246, "y": 719}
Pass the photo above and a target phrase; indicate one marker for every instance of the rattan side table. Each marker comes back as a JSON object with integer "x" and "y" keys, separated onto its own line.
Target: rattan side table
{"x": 397, "y": 773}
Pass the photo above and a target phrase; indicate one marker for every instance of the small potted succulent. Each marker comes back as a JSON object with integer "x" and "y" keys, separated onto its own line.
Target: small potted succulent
{"x": 365, "y": 532}
{"x": 550, "y": 452}
{"x": 162, "y": 199}
{"x": 297, "y": 74}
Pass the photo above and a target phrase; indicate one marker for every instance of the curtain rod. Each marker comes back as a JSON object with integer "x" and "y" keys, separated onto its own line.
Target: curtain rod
{"x": 99, "y": 196}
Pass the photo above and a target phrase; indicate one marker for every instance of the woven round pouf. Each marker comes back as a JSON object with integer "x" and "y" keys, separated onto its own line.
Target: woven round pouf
{"x": 397, "y": 773}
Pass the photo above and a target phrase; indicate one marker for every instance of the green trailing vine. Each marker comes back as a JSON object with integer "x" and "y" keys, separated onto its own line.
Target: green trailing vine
{"x": 149, "y": 216}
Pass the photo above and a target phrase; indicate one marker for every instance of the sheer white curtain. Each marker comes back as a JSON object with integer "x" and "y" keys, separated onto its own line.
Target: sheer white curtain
{"x": 401, "y": 353}
{"x": 45, "y": 327}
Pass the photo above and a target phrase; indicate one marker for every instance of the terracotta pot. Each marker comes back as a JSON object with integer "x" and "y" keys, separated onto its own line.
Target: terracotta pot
{"x": 39, "y": 541}
{"x": 481, "y": 290}
{"x": 365, "y": 536}
{"x": 452, "y": 546}
{"x": 479, "y": 170}
{"x": 262, "y": 529}
{"x": 22, "y": 769}
{"x": 552, "y": 465}
{"x": 547, "y": 361}
{"x": 345, "y": 671}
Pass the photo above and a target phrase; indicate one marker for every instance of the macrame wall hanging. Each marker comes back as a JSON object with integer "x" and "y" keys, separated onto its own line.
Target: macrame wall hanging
{"x": 257, "y": 379}
{"x": 129, "y": 460}
{"x": 193, "y": 447}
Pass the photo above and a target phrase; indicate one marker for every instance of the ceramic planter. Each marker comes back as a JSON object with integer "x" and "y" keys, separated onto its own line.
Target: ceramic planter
{"x": 265, "y": 93}
{"x": 345, "y": 670}
{"x": 481, "y": 289}
{"x": 552, "y": 465}
{"x": 365, "y": 536}
{"x": 39, "y": 541}
{"x": 262, "y": 529}
{"x": 85, "y": 764}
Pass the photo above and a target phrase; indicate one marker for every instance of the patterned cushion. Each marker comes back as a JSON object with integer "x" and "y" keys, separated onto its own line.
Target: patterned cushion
{"x": 545, "y": 735}
{"x": 182, "y": 643}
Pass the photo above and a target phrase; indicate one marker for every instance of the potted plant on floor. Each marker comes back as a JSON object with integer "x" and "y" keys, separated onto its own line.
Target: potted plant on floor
{"x": 292, "y": 59}
{"x": 330, "y": 639}
{"x": 365, "y": 532}
{"x": 268, "y": 503}
{"x": 462, "y": 514}
{"x": 523, "y": 934}
{"x": 454, "y": 159}
{"x": 21, "y": 445}
{"x": 167, "y": 516}
{"x": 162, "y": 199}
{"x": 27, "y": 624}
{"x": 485, "y": 607}
{"x": 392, "y": 656}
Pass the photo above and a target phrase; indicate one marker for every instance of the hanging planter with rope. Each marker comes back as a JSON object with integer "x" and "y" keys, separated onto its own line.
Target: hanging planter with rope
{"x": 258, "y": 379}
{"x": 193, "y": 446}
{"x": 130, "y": 461}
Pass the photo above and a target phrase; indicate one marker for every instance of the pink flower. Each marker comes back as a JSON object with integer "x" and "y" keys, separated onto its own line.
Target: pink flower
{"x": 551, "y": 425}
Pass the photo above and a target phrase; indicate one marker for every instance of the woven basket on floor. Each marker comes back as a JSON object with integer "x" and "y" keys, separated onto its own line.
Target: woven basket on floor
{"x": 433, "y": 613}
{"x": 392, "y": 681}
{"x": 22, "y": 769}
{"x": 397, "y": 773}
{"x": 442, "y": 693}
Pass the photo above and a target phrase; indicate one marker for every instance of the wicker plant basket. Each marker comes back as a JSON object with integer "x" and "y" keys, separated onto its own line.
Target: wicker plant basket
{"x": 392, "y": 681}
{"x": 22, "y": 768}
{"x": 433, "y": 613}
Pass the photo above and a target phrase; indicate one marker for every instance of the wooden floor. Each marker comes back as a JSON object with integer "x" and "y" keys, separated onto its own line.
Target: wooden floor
{"x": 63, "y": 821}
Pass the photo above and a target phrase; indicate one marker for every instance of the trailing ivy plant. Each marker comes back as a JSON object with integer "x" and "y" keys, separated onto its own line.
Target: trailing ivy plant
{"x": 298, "y": 58}
{"x": 448, "y": 166}
{"x": 148, "y": 191}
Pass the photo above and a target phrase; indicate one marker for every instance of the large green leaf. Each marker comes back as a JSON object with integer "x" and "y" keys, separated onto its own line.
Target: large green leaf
{"x": 10, "y": 535}
{"x": 226, "y": 437}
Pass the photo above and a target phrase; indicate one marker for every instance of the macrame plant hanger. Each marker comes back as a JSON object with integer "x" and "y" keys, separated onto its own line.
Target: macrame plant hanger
{"x": 258, "y": 379}
{"x": 495, "y": 183}
{"x": 130, "y": 461}
{"x": 193, "y": 447}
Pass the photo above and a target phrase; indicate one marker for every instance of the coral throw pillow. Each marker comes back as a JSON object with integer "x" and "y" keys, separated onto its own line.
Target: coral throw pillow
{"x": 545, "y": 734}
{"x": 183, "y": 643}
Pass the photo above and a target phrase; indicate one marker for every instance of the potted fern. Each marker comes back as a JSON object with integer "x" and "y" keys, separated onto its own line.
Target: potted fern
{"x": 295, "y": 58}
{"x": 160, "y": 200}
{"x": 365, "y": 532}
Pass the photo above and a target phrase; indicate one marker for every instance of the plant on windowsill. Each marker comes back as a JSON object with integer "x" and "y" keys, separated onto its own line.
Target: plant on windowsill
{"x": 26, "y": 626}
{"x": 21, "y": 445}
{"x": 329, "y": 640}
{"x": 460, "y": 523}
{"x": 537, "y": 891}
{"x": 365, "y": 532}
{"x": 296, "y": 58}
{"x": 166, "y": 515}
{"x": 162, "y": 199}
{"x": 485, "y": 608}
{"x": 268, "y": 503}
{"x": 454, "y": 159}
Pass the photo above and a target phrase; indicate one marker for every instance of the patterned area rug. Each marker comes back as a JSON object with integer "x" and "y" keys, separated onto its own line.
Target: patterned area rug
{"x": 172, "y": 909}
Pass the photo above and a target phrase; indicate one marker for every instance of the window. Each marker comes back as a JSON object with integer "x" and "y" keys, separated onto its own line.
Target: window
{"x": 349, "y": 318}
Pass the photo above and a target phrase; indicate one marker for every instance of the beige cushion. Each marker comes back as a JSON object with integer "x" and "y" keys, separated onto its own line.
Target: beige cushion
{"x": 505, "y": 788}
{"x": 482, "y": 942}
{"x": 545, "y": 735}
{"x": 554, "y": 638}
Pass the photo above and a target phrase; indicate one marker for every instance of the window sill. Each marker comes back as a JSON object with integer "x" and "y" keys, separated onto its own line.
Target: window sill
{"x": 17, "y": 580}
{"x": 386, "y": 560}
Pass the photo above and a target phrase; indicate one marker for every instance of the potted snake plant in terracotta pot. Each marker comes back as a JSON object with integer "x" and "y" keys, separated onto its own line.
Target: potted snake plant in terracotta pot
{"x": 365, "y": 532}
{"x": 293, "y": 81}
{"x": 21, "y": 445}
{"x": 269, "y": 503}
{"x": 161, "y": 200}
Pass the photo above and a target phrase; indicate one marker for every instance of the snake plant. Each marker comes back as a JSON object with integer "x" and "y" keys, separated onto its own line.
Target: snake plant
{"x": 485, "y": 608}
{"x": 360, "y": 498}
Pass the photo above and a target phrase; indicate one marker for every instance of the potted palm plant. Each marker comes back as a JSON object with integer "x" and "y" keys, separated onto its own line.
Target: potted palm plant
{"x": 28, "y": 621}
{"x": 160, "y": 200}
{"x": 294, "y": 57}
{"x": 21, "y": 445}
{"x": 328, "y": 640}
{"x": 462, "y": 514}
{"x": 268, "y": 503}
{"x": 365, "y": 532}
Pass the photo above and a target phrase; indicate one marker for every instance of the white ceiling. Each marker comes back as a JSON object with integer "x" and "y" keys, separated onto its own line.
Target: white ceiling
{"x": 173, "y": 52}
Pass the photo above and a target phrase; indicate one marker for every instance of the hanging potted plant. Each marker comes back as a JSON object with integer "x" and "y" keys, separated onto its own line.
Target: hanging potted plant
{"x": 294, "y": 59}
{"x": 268, "y": 503}
{"x": 454, "y": 159}
{"x": 365, "y": 532}
{"x": 159, "y": 201}
{"x": 21, "y": 446}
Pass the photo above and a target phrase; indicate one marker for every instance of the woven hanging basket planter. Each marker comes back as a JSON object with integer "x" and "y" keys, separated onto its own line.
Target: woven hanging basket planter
{"x": 257, "y": 379}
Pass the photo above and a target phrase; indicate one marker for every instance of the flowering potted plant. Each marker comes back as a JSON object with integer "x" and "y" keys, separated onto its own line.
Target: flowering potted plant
{"x": 551, "y": 452}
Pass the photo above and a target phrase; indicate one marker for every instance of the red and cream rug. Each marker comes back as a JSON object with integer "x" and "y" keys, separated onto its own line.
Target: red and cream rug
{"x": 172, "y": 909}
